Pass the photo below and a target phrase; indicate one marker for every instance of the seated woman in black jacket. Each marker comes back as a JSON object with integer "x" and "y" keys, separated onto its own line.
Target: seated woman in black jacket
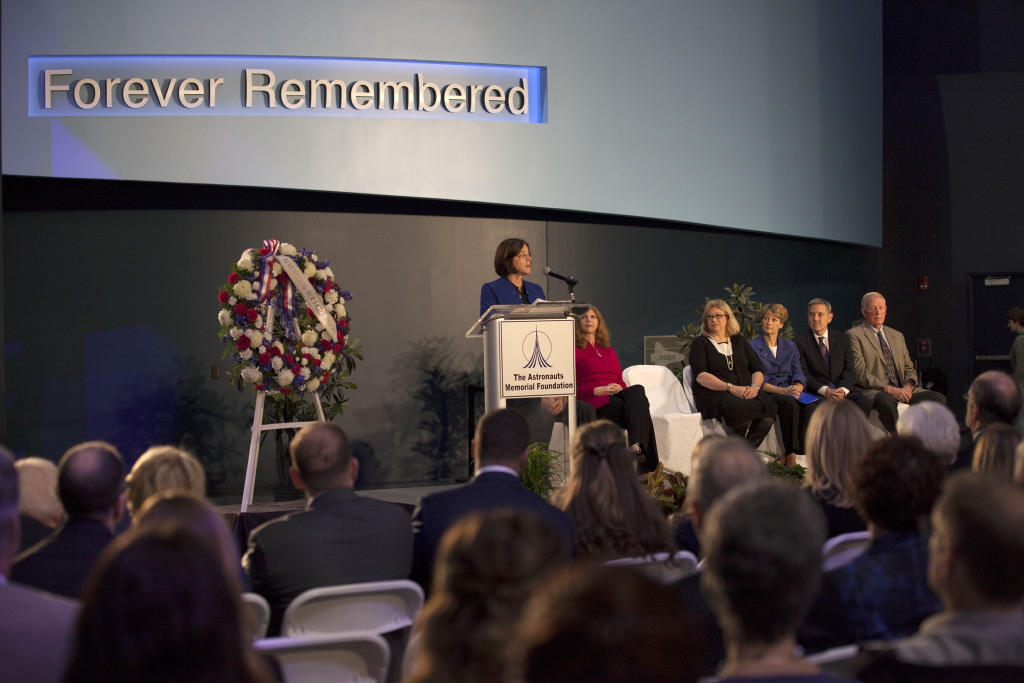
{"x": 727, "y": 376}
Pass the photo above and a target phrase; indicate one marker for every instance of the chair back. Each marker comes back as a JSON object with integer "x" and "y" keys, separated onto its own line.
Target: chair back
{"x": 661, "y": 567}
{"x": 664, "y": 392}
{"x": 691, "y": 405}
{"x": 260, "y": 609}
{"x": 843, "y": 548}
{"x": 375, "y": 607}
{"x": 346, "y": 657}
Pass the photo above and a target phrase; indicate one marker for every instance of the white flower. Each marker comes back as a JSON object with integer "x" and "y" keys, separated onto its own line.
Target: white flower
{"x": 329, "y": 273}
{"x": 313, "y": 384}
{"x": 255, "y": 336}
{"x": 232, "y": 301}
{"x": 235, "y": 333}
{"x": 285, "y": 378}
{"x": 246, "y": 355}
{"x": 243, "y": 289}
{"x": 287, "y": 250}
{"x": 309, "y": 337}
{"x": 258, "y": 323}
{"x": 309, "y": 270}
{"x": 246, "y": 263}
{"x": 279, "y": 346}
{"x": 277, "y": 270}
{"x": 319, "y": 327}
{"x": 224, "y": 318}
{"x": 305, "y": 361}
{"x": 305, "y": 372}
{"x": 251, "y": 375}
{"x": 339, "y": 310}
{"x": 320, "y": 275}
{"x": 273, "y": 284}
{"x": 327, "y": 361}
{"x": 276, "y": 363}
{"x": 331, "y": 297}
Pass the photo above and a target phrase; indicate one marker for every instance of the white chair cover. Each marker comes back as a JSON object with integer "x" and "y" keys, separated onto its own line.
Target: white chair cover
{"x": 660, "y": 566}
{"x": 260, "y": 609}
{"x": 676, "y": 428}
{"x": 346, "y": 657}
{"x": 374, "y": 607}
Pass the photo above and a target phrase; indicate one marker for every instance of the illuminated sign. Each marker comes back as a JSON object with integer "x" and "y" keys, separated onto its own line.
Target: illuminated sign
{"x": 125, "y": 85}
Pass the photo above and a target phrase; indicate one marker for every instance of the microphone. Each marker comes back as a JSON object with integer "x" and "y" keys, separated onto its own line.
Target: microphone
{"x": 567, "y": 279}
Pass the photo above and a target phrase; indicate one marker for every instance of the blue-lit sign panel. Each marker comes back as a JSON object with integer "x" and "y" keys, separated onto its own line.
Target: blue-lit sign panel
{"x": 171, "y": 85}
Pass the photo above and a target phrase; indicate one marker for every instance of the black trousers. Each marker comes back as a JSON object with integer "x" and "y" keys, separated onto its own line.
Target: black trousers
{"x": 790, "y": 418}
{"x": 888, "y": 407}
{"x": 630, "y": 410}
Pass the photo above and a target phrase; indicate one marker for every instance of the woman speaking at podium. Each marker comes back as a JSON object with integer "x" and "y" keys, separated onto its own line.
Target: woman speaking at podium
{"x": 599, "y": 382}
{"x": 512, "y": 263}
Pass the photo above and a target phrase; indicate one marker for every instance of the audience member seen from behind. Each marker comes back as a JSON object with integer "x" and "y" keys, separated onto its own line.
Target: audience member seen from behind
{"x": 763, "y": 570}
{"x": 164, "y": 469}
{"x": 935, "y": 425}
{"x": 603, "y": 625}
{"x": 40, "y": 507}
{"x": 35, "y": 627}
{"x": 612, "y": 514}
{"x": 1015, "y": 321}
{"x": 159, "y": 607}
{"x": 487, "y": 564}
{"x": 91, "y": 487}
{"x": 838, "y": 436}
{"x": 884, "y": 592}
{"x": 995, "y": 451}
{"x": 975, "y": 555}
{"x": 202, "y": 519}
{"x": 600, "y": 383}
{"x": 784, "y": 378}
{"x": 993, "y": 398}
{"x": 727, "y": 376}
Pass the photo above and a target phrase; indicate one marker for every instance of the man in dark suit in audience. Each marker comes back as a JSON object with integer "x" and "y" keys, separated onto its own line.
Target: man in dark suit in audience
{"x": 885, "y": 371}
{"x": 90, "y": 483}
{"x": 975, "y": 555}
{"x": 340, "y": 538}
{"x": 499, "y": 448}
{"x": 35, "y": 627}
{"x": 992, "y": 398}
{"x": 827, "y": 359}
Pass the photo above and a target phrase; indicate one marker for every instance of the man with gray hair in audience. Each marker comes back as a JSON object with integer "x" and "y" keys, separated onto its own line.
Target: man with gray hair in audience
{"x": 992, "y": 398}
{"x": 35, "y": 627}
{"x": 90, "y": 482}
{"x": 975, "y": 557}
{"x": 40, "y": 507}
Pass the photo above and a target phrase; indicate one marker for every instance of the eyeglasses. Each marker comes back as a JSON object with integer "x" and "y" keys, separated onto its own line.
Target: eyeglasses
{"x": 717, "y": 316}
{"x": 526, "y": 256}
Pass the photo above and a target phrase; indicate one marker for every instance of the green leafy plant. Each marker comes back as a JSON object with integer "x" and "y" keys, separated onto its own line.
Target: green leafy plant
{"x": 544, "y": 468}
{"x": 793, "y": 475}
{"x": 668, "y": 489}
{"x": 740, "y": 298}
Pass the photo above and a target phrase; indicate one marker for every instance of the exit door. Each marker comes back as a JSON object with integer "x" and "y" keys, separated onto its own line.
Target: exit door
{"x": 991, "y": 296}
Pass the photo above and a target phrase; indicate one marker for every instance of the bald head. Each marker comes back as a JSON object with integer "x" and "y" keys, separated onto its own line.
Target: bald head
{"x": 993, "y": 397}
{"x": 720, "y": 464}
{"x": 322, "y": 458}
{"x": 90, "y": 479}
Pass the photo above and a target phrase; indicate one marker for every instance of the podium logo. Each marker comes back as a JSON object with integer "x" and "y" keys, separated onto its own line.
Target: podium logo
{"x": 537, "y": 349}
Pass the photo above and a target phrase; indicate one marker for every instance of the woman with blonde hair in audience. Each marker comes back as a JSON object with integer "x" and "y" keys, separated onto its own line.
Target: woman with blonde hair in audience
{"x": 487, "y": 565}
{"x": 158, "y": 607}
{"x": 995, "y": 450}
{"x": 838, "y": 436}
{"x": 612, "y": 514}
{"x": 163, "y": 469}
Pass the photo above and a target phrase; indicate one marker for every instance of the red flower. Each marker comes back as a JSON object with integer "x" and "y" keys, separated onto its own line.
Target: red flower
{"x": 283, "y": 278}
{"x": 264, "y": 359}
{"x": 286, "y": 390}
{"x": 326, "y": 345}
{"x": 233, "y": 278}
{"x": 243, "y": 343}
{"x": 241, "y": 308}
{"x": 309, "y": 312}
{"x": 264, "y": 251}
{"x": 338, "y": 347}
{"x": 223, "y": 296}
{"x": 289, "y": 359}
{"x": 251, "y": 315}
{"x": 275, "y": 351}
{"x": 316, "y": 362}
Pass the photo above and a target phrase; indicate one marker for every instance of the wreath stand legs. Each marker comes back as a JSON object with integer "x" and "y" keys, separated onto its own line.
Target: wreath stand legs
{"x": 254, "y": 444}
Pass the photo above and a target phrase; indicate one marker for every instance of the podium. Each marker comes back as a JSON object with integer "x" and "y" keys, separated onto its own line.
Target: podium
{"x": 529, "y": 351}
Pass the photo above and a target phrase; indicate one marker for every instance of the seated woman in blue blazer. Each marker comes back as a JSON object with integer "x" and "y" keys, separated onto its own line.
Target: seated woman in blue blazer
{"x": 512, "y": 263}
{"x": 784, "y": 378}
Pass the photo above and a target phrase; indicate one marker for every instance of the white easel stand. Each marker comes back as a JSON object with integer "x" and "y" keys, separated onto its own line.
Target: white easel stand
{"x": 258, "y": 428}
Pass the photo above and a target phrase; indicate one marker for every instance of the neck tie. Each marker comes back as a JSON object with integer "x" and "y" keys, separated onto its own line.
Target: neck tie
{"x": 890, "y": 365}
{"x": 824, "y": 353}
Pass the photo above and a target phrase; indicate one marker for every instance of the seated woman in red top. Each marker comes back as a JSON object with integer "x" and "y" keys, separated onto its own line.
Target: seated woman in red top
{"x": 599, "y": 382}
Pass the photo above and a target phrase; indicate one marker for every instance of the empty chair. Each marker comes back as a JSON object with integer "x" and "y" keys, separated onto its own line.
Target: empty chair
{"x": 376, "y": 607}
{"x": 660, "y": 566}
{"x": 677, "y": 428}
{"x": 260, "y": 609}
{"x": 843, "y": 548}
{"x": 342, "y": 658}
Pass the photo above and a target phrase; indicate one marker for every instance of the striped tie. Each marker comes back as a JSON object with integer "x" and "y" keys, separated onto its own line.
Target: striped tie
{"x": 890, "y": 364}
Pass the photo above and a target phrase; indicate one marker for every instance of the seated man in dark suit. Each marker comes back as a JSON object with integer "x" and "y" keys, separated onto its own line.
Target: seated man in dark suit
{"x": 827, "y": 359}
{"x": 35, "y": 627}
{"x": 90, "y": 483}
{"x": 974, "y": 560}
{"x": 499, "y": 449}
{"x": 885, "y": 371}
{"x": 340, "y": 538}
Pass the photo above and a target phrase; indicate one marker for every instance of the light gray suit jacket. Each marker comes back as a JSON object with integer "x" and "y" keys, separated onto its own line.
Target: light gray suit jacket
{"x": 36, "y": 629}
{"x": 870, "y": 364}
